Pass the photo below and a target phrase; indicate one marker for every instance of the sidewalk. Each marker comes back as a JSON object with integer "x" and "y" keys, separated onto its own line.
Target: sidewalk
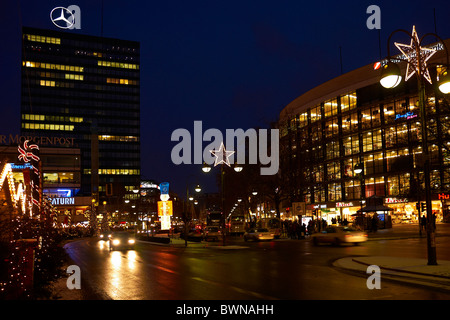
{"x": 405, "y": 231}
{"x": 415, "y": 271}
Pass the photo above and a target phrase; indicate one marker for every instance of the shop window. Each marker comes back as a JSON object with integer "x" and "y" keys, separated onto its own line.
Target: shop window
{"x": 303, "y": 120}
{"x": 348, "y": 101}
{"x": 378, "y": 163}
{"x": 319, "y": 194}
{"x": 318, "y": 173}
{"x": 367, "y": 141}
{"x": 404, "y": 183}
{"x": 333, "y": 171}
{"x": 366, "y": 118}
{"x": 401, "y": 107}
{"x": 331, "y": 127}
{"x": 293, "y": 123}
{"x": 392, "y": 186}
{"x": 431, "y": 105}
{"x": 332, "y": 150}
{"x": 435, "y": 180}
{"x": 434, "y": 153}
{"x": 349, "y": 165}
{"x": 374, "y": 187}
{"x": 350, "y": 122}
{"x": 389, "y": 113}
{"x": 377, "y": 139}
{"x": 352, "y": 189}
{"x": 416, "y": 132}
{"x": 330, "y": 107}
{"x": 316, "y": 133}
{"x": 334, "y": 192}
{"x": 316, "y": 113}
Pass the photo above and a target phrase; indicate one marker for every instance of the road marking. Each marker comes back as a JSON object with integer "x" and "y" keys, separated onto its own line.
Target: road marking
{"x": 163, "y": 269}
{"x": 240, "y": 290}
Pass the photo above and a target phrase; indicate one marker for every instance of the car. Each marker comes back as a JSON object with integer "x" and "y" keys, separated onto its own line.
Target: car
{"x": 105, "y": 235}
{"x": 338, "y": 235}
{"x": 259, "y": 234}
{"x": 212, "y": 233}
{"x": 121, "y": 240}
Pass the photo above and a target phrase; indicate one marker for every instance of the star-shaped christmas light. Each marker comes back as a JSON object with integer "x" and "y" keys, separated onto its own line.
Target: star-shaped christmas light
{"x": 221, "y": 154}
{"x": 410, "y": 52}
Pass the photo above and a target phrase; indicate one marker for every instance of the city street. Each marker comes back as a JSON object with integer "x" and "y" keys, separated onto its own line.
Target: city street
{"x": 282, "y": 269}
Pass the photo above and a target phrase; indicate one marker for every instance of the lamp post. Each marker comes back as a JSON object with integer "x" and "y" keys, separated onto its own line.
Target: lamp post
{"x": 222, "y": 154}
{"x": 186, "y": 205}
{"x": 417, "y": 57}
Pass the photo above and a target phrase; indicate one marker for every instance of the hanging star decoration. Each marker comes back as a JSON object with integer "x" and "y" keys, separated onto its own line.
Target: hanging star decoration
{"x": 413, "y": 53}
{"x": 221, "y": 154}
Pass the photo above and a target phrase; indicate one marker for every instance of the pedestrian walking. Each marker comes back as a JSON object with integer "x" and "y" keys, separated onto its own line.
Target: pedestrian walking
{"x": 375, "y": 223}
{"x": 423, "y": 223}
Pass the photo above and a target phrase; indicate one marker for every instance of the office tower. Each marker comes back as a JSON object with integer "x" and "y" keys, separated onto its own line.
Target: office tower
{"x": 85, "y": 89}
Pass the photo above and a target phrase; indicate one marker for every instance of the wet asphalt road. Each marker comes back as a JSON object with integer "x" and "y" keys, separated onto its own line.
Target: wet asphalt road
{"x": 280, "y": 269}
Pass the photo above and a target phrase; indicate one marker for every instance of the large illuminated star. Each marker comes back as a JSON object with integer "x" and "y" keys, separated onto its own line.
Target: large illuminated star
{"x": 221, "y": 154}
{"x": 410, "y": 52}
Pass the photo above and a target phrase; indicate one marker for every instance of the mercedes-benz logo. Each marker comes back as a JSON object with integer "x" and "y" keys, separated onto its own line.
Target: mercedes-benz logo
{"x": 62, "y": 17}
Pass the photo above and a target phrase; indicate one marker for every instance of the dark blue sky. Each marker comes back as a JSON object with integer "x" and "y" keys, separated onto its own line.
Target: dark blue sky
{"x": 231, "y": 64}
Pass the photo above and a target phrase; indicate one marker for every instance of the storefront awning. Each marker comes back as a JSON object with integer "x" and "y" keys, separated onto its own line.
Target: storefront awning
{"x": 378, "y": 207}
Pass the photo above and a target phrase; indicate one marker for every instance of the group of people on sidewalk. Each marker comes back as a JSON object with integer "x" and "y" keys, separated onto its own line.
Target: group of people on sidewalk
{"x": 295, "y": 230}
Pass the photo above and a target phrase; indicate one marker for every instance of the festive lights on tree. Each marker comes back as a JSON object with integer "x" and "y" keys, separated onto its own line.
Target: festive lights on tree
{"x": 32, "y": 255}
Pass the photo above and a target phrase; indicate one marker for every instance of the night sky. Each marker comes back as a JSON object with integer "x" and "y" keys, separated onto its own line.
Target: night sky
{"x": 230, "y": 64}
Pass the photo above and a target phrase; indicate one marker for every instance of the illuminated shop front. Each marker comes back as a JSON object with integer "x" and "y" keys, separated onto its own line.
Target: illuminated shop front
{"x": 72, "y": 210}
{"x": 352, "y": 121}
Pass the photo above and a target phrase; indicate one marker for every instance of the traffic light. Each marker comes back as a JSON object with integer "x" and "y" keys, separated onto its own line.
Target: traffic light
{"x": 418, "y": 206}
{"x": 423, "y": 206}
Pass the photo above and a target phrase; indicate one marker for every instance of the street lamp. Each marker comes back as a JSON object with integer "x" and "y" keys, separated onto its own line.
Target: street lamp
{"x": 390, "y": 75}
{"x": 417, "y": 57}
{"x": 207, "y": 169}
{"x": 359, "y": 168}
{"x": 237, "y": 167}
{"x": 444, "y": 82}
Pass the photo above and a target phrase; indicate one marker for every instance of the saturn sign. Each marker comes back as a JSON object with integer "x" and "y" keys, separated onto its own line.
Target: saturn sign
{"x": 66, "y": 18}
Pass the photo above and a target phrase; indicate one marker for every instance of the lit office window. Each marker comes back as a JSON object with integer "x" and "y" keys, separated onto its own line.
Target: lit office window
{"x": 316, "y": 113}
{"x": 52, "y": 66}
{"x": 330, "y": 107}
{"x": 303, "y": 120}
{"x": 113, "y": 64}
{"x": 348, "y": 101}
{"x": 42, "y": 39}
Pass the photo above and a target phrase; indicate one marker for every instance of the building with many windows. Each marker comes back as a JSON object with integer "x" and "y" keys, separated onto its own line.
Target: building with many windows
{"x": 86, "y": 89}
{"x": 352, "y": 120}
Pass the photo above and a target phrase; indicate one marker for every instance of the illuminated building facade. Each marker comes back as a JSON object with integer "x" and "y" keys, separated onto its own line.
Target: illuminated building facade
{"x": 87, "y": 90}
{"x": 351, "y": 120}
{"x": 61, "y": 179}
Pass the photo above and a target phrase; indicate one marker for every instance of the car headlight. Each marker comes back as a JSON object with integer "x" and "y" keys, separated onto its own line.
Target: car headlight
{"x": 101, "y": 236}
{"x": 116, "y": 242}
{"x": 131, "y": 241}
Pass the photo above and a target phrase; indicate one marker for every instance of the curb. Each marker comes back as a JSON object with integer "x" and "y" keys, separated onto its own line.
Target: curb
{"x": 405, "y": 271}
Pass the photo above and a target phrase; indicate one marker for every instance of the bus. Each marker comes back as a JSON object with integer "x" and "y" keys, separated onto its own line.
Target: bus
{"x": 214, "y": 219}
{"x": 237, "y": 224}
